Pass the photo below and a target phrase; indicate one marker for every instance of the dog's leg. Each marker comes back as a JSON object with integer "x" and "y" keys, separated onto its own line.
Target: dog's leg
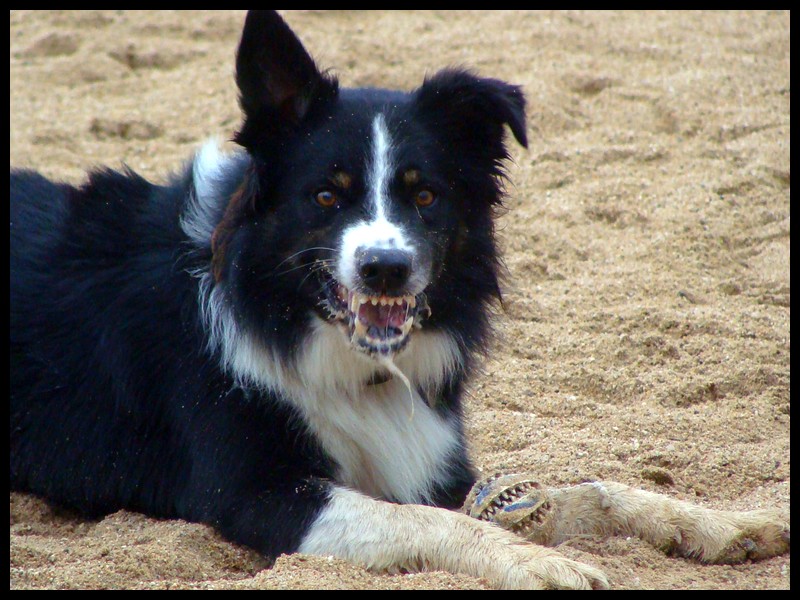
{"x": 551, "y": 516}
{"x": 674, "y": 526}
{"x": 404, "y": 538}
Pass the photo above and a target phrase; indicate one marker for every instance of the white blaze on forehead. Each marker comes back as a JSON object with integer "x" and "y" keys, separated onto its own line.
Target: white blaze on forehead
{"x": 380, "y": 168}
{"x": 378, "y": 231}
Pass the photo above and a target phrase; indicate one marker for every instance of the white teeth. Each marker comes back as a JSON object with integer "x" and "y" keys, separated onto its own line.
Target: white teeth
{"x": 359, "y": 331}
{"x": 407, "y": 326}
{"x": 355, "y": 300}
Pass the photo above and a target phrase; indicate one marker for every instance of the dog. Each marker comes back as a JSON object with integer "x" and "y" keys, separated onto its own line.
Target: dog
{"x": 276, "y": 342}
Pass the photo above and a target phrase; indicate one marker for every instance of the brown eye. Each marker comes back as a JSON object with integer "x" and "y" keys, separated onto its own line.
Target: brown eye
{"x": 425, "y": 198}
{"x": 326, "y": 199}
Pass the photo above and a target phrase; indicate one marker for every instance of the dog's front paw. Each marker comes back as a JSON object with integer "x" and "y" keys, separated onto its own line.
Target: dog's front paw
{"x": 731, "y": 537}
{"x": 507, "y": 561}
{"x": 535, "y": 567}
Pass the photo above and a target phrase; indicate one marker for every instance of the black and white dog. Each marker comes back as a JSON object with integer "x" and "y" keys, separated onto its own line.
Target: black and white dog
{"x": 276, "y": 342}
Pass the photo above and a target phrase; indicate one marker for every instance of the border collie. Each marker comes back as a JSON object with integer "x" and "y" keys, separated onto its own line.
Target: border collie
{"x": 276, "y": 342}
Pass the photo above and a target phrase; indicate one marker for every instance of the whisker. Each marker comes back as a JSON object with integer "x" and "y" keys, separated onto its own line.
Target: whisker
{"x": 299, "y": 252}
{"x": 309, "y": 274}
{"x": 315, "y": 265}
{"x": 311, "y": 265}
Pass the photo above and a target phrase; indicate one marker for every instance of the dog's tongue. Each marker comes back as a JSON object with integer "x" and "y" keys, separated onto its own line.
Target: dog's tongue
{"x": 380, "y": 325}
{"x": 383, "y": 317}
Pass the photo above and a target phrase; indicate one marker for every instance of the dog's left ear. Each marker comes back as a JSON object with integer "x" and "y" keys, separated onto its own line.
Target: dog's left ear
{"x": 279, "y": 83}
{"x": 472, "y": 110}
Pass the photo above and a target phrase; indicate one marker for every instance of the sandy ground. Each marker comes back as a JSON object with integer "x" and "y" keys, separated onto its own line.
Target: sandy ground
{"x": 646, "y": 331}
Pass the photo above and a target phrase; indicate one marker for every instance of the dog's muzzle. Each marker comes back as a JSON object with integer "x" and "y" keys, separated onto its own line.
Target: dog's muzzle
{"x": 380, "y": 314}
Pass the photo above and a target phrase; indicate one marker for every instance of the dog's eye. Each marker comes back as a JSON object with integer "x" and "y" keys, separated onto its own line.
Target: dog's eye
{"x": 425, "y": 198}
{"x": 326, "y": 198}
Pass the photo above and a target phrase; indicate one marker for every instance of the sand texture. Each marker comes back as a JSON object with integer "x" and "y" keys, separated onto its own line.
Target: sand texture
{"x": 645, "y": 336}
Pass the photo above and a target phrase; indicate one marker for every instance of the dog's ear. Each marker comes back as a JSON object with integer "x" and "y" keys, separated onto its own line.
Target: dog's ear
{"x": 472, "y": 111}
{"x": 279, "y": 84}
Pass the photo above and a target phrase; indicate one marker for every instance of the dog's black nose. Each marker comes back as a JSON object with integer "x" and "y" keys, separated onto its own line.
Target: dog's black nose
{"x": 384, "y": 271}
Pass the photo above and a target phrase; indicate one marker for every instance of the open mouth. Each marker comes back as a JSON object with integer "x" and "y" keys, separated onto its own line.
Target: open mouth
{"x": 374, "y": 324}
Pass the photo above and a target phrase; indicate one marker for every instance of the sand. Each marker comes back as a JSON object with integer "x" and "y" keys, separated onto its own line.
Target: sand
{"x": 645, "y": 336}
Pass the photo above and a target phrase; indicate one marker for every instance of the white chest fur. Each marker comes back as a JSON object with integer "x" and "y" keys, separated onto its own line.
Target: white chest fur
{"x": 381, "y": 448}
{"x": 382, "y": 445}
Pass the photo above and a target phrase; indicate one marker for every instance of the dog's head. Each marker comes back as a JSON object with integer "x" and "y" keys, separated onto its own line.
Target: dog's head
{"x": 369, "y": 210}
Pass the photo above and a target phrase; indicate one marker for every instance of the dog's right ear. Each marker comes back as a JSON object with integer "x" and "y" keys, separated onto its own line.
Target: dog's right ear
{"x": 279, "y": 84}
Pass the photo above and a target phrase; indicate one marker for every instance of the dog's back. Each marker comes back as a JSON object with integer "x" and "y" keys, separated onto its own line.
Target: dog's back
{"x": 87, "y": 280}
